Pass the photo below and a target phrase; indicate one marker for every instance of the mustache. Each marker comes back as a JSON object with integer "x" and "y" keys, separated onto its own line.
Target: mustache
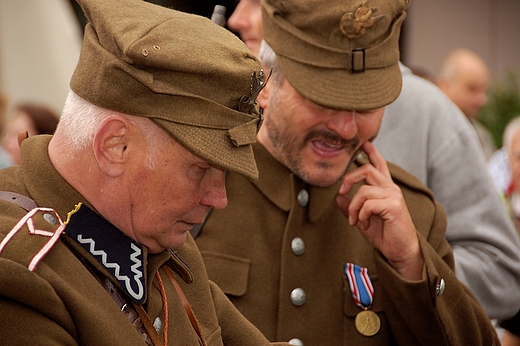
{"x": 330, "y": 136}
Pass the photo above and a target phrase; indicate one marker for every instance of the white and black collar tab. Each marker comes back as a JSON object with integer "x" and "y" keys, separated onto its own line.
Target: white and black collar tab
{"x": 120, "y": 255}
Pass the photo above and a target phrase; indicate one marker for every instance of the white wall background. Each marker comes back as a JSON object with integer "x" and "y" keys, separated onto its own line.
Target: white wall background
{"x": 491, "y": 28}
{"x": 40, "y": 42}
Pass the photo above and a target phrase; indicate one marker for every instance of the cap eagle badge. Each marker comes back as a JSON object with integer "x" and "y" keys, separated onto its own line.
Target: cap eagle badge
{"x": 354, "y": 24}
{"x": 247, "y": 103}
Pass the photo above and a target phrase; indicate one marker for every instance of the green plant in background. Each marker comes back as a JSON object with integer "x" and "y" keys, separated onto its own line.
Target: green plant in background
{"x": 502, "y": 106}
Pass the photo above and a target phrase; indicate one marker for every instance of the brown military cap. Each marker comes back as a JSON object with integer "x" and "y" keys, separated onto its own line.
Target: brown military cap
{"x": 194, "y": 79}
{"x": 341, "y": 54}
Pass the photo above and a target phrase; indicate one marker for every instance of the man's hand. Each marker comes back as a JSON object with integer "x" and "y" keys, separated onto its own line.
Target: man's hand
{"x": 380, "y": 212}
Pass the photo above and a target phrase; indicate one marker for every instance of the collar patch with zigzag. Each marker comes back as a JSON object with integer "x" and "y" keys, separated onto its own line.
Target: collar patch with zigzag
{"x": 119, "y": 254}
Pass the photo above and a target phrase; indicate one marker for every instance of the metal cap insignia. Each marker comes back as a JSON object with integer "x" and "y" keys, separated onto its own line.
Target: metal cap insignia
{"x": 354, "y": 24}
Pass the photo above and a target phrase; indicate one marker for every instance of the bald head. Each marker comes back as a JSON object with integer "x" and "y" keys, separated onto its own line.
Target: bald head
{"x": 464, "y": 77}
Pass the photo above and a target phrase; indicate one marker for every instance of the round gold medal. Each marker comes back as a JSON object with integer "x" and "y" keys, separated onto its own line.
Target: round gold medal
{"x": 367, "y": 323}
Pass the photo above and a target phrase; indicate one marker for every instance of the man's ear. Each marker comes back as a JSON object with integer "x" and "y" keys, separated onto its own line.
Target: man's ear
{"x": 263, "y": 97}
{"x": 110, "y": 145}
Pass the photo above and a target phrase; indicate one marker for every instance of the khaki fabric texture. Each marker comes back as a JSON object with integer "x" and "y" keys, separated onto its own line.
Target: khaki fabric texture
{"x": 182, "y": 71}
{"x": 339, "y": 54}
{"x": 251, "y": 258}
{"x": 62, "y": 303}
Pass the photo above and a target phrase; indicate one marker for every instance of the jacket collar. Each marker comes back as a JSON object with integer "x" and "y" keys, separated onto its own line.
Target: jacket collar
{"x": 121, "y": 256}
{"x": 281, "y": 186}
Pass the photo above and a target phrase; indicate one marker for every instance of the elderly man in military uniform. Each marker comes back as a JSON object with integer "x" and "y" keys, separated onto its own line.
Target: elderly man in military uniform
{"x": 93, "y": 222}
{"x": 333, "y": 245}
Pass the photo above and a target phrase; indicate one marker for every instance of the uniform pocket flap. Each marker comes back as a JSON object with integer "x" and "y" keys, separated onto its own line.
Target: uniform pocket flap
{"x": 230, "y": 273}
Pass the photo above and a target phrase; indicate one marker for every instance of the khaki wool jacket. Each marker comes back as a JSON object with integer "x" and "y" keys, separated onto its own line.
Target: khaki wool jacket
{"x": 62, "y": 303}
{"x": 271, "y": 240}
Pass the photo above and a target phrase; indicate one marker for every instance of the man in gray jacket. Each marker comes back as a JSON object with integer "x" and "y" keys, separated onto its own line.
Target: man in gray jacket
{"x": 425, "y": 133}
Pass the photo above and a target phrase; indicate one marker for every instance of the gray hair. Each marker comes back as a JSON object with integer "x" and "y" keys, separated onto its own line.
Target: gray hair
{"x": 80, "y": 120}
{"x": 268, "y": 58}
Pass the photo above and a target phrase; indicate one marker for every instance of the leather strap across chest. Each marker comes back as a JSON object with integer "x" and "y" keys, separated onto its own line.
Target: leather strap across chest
{"x": 187, "y": 306}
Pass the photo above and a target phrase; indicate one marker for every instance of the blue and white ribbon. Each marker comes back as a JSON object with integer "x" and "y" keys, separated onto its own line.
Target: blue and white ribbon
{"x": 360, "y": 285}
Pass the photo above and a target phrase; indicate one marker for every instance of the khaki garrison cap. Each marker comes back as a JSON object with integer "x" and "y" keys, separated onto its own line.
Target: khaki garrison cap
{"x": 341, "y": 54}
{"x": 194, "y": 79}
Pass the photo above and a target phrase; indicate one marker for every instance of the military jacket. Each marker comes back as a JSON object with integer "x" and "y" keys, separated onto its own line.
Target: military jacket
{"x": 279, "y": 250}
{"x": 54, "y": 259}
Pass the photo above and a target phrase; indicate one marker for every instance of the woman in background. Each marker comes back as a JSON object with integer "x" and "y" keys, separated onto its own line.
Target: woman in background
{"x": 33, "y": 119}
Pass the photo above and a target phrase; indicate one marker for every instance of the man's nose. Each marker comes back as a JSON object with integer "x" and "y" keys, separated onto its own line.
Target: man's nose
{"x": 343, "y": 123}
{"x": 240, "y": 18}
{"x": 216, "y": 195}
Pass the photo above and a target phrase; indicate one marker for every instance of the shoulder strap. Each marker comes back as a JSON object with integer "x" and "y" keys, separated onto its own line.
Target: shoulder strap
{"x": 20, "y": 200}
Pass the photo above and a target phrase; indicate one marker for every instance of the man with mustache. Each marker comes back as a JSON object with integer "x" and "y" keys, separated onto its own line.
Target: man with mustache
{"x": 330, "y": 247}
{"x": 94, "y": 223}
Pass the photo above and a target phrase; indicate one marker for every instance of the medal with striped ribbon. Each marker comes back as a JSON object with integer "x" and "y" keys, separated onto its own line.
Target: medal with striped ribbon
{"x": 367, "y": 322}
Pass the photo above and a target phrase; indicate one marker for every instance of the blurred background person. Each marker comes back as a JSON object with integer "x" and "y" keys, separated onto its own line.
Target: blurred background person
{"x": 5, "y": 160}
{"x": 512, "y": 147}
{"x": 464, "y": 77}
{"x": 246, "y": 20}
{"x": 32, "y": 118}
{"x": 500, "y": 169}
{"x": 423, "y": 131}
